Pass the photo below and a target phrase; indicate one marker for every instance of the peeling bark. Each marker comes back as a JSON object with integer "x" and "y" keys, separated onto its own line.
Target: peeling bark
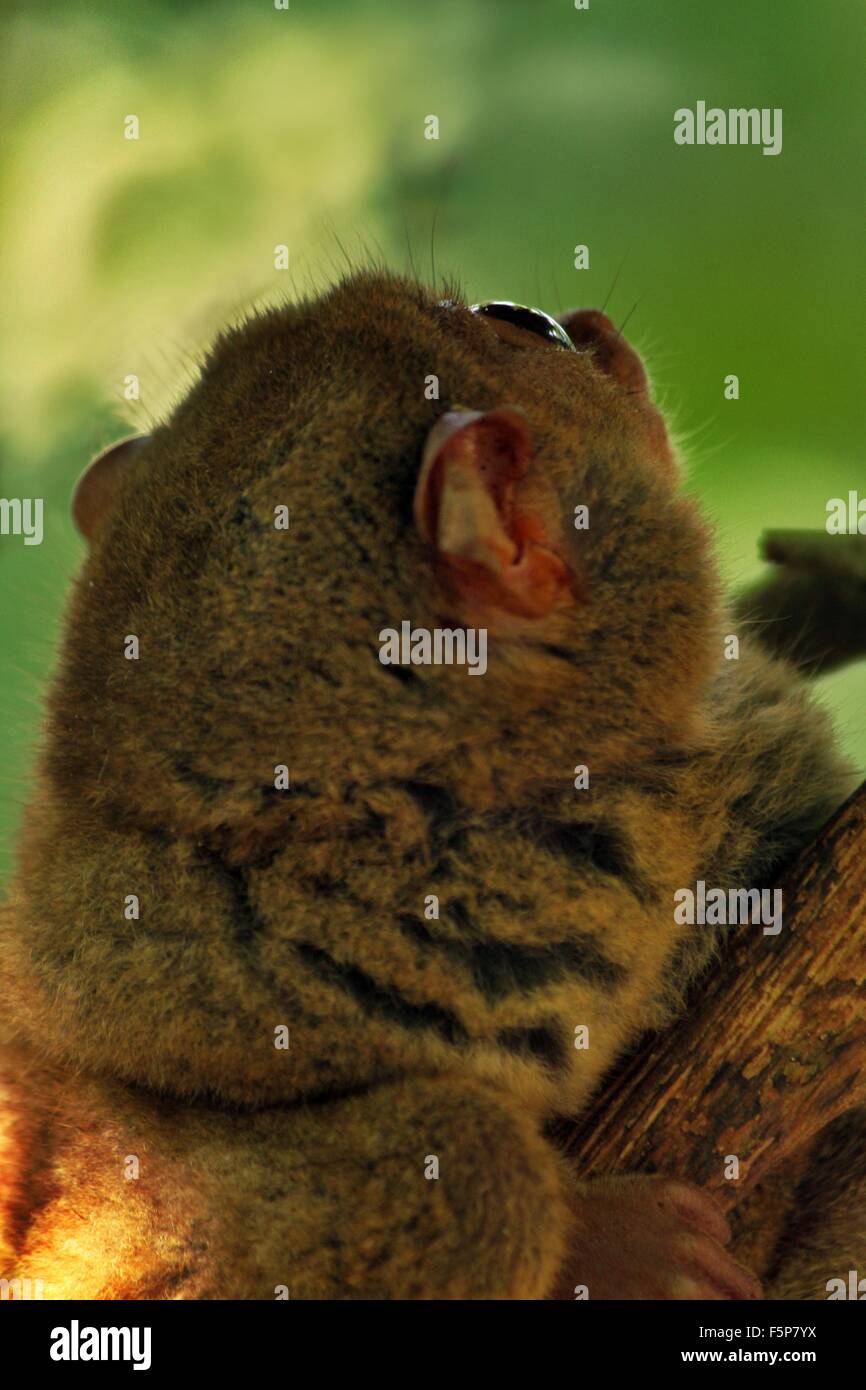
{"x": 772, "y": 1049}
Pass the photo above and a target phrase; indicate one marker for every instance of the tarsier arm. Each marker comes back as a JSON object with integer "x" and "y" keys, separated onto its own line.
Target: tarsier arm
{"x": 811, "y": 607}
{"x": 425, "y": 1188}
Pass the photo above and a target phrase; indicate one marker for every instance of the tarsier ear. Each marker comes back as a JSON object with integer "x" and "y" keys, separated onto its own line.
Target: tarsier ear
{"x": 99, "y": 485}
{"x": 592, "y": 331}
{"x": 466, "y": 507}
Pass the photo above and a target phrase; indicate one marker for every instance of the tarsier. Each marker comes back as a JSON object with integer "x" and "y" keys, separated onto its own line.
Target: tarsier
{"x": 304, "y": 951}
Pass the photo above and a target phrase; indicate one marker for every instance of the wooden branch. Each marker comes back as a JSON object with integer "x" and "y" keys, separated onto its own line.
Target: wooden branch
{"x": 772, "y": 1049}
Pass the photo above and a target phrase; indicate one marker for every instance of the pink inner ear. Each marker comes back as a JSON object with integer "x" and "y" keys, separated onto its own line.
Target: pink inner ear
{"x": 494, "y": 446}
{"x": 97, "y": 489}
{"x": 466, "y": 507}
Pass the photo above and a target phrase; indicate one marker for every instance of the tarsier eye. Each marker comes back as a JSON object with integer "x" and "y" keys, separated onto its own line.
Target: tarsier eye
{"x": 532, "y": 320}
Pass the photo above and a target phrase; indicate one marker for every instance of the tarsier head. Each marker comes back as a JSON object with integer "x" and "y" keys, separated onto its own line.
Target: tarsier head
{"x": 377, "y": 457}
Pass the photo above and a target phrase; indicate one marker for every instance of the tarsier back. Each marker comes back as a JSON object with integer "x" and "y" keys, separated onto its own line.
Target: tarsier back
{"x": 311, "y": 933}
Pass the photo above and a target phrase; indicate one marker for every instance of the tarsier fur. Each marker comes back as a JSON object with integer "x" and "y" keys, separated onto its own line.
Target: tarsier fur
{"x": 154, "y": 1142}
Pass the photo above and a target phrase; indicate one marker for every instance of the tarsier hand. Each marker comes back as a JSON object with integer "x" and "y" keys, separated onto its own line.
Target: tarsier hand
{"x": 651, "y": 1238}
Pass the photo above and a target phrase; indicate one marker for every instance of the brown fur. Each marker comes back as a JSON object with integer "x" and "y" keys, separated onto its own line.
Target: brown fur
{"x": 410, "y": 1037}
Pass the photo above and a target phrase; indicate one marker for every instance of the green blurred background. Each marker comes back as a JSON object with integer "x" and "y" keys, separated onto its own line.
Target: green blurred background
{"x": 306, "y": 127}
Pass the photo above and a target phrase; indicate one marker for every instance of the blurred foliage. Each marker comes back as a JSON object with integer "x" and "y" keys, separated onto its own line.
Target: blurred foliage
{"x": 305, "y": 127}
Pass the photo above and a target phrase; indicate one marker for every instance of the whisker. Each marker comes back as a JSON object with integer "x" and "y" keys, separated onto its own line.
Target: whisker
{"x": 626, "y": 255}
{"x": 432, "y": 243}
{"x": 628, "y": 315}
{"x": 409, "y": 251}
{"x": 557, "y": 300}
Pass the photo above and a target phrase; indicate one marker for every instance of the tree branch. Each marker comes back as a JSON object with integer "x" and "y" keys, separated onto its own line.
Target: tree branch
{"x": 772, "y": 1049}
